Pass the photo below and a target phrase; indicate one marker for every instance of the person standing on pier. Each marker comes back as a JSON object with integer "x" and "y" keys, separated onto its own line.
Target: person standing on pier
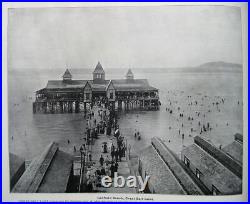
{"x": 107, "y": 160}
{"x": 112, "y": 147}
{"x": 116, "y": 155}
{"x": 112, "y": 170}
{"x": 116, "y": 167}
{"x": 101, "y": 160}
{"x": 139, "y": 136}
{"x": 105, "y": 148}
{"x": 123, "y": 150}
{"x": 107, "y": 169}
{"x": 112, "y": 153}
{"x": 120, "y": 154}
{"x": 90, "y": 157}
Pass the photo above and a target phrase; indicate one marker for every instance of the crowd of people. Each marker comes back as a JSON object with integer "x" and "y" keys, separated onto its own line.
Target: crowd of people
{"x": 111, "y": 153}
{"x": 108, "y": 164}
{"x": 193, "y": 113}
{"x": 94, "y": 176}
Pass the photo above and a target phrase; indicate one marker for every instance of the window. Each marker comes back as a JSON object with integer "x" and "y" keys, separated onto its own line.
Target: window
{"x": 111, "y": 95}
{"x": 198, "y": 173}
{"x": 98, "y": 76}
{"x": 186, "y": 161}
{"x": 215, "y": 191}
{"x": 87, "y": 96}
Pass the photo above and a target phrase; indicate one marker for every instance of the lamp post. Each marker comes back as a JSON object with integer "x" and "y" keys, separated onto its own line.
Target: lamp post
{"x": 83, "y": 154}
{"x": 82, "y": 167}
{"x": 81, "y": 151}
{"x": 129, "y": 148}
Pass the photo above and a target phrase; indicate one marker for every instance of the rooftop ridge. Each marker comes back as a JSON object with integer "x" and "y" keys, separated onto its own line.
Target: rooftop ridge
{"x": 171, "y": 172}
{"x": 32, "y": 177}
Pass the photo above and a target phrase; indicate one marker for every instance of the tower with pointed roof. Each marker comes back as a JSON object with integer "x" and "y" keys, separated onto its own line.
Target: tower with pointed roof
{"x": 98, "y": 74}
{"x": 130, "y": 75}
{"x": 67, "y": 75}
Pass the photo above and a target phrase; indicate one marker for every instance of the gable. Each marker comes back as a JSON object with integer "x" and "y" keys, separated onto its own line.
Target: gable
{"x": 110, "y": 86}
{"x": 87, "y": 87}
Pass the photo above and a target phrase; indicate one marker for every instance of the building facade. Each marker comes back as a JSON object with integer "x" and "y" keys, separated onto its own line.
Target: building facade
{"x": 68, "y": 95}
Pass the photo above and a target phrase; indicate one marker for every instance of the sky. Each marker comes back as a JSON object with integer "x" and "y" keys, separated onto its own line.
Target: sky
{"x": 120, "y": 37}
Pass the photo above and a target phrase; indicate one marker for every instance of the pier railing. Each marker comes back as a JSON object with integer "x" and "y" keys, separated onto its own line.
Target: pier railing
{"x": 137, "y": 98}
{"x": 123, "y": 98}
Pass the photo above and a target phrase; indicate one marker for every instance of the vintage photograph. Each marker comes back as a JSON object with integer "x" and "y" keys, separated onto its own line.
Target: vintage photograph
{"x": 125, "y": 99}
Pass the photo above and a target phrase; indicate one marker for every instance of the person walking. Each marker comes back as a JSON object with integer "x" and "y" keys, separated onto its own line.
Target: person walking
{"x": 112, "y": 154}
{"x": 123, "y": 151}
{"x": 107, "y": 160}
{"x": 112, "y": 170}
{"x": 90, "y": 157}
{"x": 105, "y": 148}
{"x": 139, "y": 136}
{"x": 120, "y": 154}
{"x": 116, "y": 167}
{"x": 112, "y": 147}
{"x": 107, "y": 170}
{"x": 116, "y": 155}
{"x": 103, "y": 172}
{"x": 101, "y": 160}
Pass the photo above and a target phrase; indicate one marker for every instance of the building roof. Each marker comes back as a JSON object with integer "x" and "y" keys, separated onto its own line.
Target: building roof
{"x": 132, "y": 85}
{"x": 161, "y": 179}
{"x": 42, "y": 169}
{"x": 213, "y": 171}
{"x": 174, "y": 165}
{"x": 219, "y": 155}
{"x": 55, "y": 84}
{"x": 235, "y": 150}
{"x": 67, "y": 74}
{"x": 96, "y": 87}
{"x": 99, "y": 69}
{"x": 119, "y": 85}
{"x": 56, "y": 178}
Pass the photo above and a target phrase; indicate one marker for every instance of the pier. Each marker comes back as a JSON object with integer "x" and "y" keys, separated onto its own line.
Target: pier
{"x": 102, "y": 139}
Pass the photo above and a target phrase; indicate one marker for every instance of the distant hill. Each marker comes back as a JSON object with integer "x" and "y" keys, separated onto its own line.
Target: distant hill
{"x": 221, "y": 66}
{"x": 209, "y": 67}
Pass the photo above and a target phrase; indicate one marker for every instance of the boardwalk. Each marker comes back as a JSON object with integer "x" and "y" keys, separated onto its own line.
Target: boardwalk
{"x": 96, "y": 150}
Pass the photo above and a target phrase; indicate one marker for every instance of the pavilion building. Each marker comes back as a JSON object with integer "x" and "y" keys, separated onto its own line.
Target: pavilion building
{"x": 68, "y": 95}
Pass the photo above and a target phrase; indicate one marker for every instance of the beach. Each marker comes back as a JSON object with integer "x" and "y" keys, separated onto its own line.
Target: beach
{"x": 29, "y": 133}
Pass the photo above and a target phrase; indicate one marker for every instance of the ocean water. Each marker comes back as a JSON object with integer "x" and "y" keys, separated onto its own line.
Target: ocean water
{"x": 29, "y": 133}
